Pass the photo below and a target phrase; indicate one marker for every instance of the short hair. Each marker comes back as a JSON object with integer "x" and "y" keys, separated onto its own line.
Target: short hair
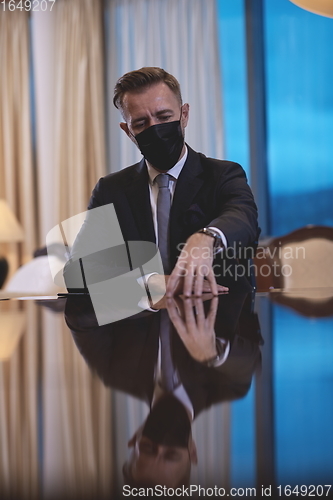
{"x": 144, "y": 483}
{"x": 141, "y": 79}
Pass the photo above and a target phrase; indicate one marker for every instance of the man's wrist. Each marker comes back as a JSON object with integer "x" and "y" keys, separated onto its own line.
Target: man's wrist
{"x": 218, "y": 244}
{"x": 221, "y": 348}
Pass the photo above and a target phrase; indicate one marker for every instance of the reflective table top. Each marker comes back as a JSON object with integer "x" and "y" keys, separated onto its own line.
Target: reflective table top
{"x": 232, "y": 395}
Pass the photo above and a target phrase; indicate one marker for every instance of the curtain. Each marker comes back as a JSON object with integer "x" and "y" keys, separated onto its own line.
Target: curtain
{"x": 76, "y": 407}
{"x": 18, "y": 379}
{"x": 19, "y": 471}
{"x": 17, "y": 174}
{"x": 50, "y": 402}
{"x": 77, "y": 420}
{"x": 79, "y": 103}
{"x": 74, "y": 444}
{"x": 212, "y": 434}
{"x": 181, "y": 37}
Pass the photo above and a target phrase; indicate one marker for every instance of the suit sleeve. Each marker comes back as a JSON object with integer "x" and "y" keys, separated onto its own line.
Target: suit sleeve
{"x": 97, "y": 197}
{"x": 237, "y": 211}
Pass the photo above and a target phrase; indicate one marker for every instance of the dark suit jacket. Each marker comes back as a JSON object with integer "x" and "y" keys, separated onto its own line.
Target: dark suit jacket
{"x": 208, "y": 192}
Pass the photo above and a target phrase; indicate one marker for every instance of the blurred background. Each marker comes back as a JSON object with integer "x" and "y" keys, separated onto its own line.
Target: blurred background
{"x": 258, "y": 76}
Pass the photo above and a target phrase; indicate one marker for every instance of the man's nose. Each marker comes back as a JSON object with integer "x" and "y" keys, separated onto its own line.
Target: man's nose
{"x": 152, "y": 121}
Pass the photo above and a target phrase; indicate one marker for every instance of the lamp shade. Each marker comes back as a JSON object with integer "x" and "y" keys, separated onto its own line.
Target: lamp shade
{"x": 322, "y": 7}
{"x": 10, "y": 228}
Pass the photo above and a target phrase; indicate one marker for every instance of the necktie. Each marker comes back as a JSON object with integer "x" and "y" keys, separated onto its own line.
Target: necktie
{"x": 169, "y": 376}
{"x": 163, "y": 212}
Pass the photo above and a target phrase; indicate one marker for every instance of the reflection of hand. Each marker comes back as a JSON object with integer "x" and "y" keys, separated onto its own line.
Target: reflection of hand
{"x": 160, "y": 304}
{"x": 193, "y": 272}
{"x": 157, "y": 284}
{"x": 195, "y": 330}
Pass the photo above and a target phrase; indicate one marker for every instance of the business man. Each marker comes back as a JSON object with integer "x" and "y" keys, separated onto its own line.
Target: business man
{"x": 129, "y": 356}
{"x": 193, "y": 207}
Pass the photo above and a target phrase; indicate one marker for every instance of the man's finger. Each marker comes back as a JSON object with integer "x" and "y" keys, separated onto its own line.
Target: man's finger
{"x": 175, "y": 317}
{"x": 179, "y": 304}
{"x": 212, "y": 281}
{"x": 200, "y": 313}
{"x": 212, "y": 313}
{"x": 199, "y": 283}
{"x": 206, "y": 288}
{"x": 188, "y": 282}
{"x": 189, "y": 315}
{"x": 173, "y": 281}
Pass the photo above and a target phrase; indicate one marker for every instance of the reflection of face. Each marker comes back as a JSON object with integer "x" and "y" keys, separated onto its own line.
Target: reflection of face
{"x": 163, "y": 449}
{"x": 168, "y": 423}
{"x": 158, "y": 464}
{"x": 154, "y": 105}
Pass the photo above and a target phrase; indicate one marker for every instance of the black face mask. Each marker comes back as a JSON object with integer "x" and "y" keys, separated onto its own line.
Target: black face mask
{"x": 161, "y": 144}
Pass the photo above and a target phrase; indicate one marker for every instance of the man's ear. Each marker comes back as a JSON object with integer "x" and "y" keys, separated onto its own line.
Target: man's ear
{"x": 185, "y": 115}
{"x": 132, "y": 441}
{"x": 124, "y": 127}
{"x": 193, "y": 452}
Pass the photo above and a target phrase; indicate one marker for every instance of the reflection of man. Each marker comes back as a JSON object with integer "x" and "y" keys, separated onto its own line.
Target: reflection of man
{"x": 162, "y": 449}
{"x": 129, "y": 355}
{"x": 212, "y": 206}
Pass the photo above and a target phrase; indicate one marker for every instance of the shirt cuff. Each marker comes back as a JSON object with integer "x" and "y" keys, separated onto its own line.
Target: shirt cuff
{"x": 147, "y": 301}
{"x": 223, "y": 238}
{"x": 226, "y": 346}
{"x": 143, "y": 280}
{"x": 144, "y": 304}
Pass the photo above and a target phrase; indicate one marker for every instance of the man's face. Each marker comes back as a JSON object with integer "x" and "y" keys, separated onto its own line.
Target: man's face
{"x": 154, "y": 105}
{"x": 152, "y": 463}
{"x": 163, "y": 448}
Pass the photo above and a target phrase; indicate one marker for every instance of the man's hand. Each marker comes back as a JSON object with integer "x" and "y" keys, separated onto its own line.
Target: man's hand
{"x": 195, "y": 330}
{"x": 193, "y": 272}
{"x": 157, "y": 283}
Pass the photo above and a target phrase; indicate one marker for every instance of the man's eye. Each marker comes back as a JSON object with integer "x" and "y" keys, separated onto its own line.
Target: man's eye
{"x": 147, "y": 448}
{"x": 172, "y": 456}
{"x": 165, "y": 118}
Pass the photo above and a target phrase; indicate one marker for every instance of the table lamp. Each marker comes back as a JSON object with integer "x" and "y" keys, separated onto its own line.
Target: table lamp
{"x": 10, "y": 232}
{"x": 322, "y": 7}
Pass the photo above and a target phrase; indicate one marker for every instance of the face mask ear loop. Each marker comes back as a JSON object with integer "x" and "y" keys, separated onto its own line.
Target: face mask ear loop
{"x": 180, "y": 121}
{"x": 132, "y": 135}
{"x": 133, "y": 139}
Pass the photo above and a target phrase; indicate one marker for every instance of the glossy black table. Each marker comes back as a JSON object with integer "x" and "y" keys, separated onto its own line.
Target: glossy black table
{"x": 74, "y": 395}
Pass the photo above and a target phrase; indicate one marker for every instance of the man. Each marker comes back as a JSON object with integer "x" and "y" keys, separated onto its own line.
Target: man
{"x": 212, "y": 206}
{"x": 128, "y": 356}
{"x": 162, "y": 449}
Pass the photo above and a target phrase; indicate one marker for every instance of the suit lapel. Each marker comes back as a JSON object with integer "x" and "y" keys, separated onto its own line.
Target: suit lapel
{"x": 138, "y": 196}
{"x": 188, "y": 185}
